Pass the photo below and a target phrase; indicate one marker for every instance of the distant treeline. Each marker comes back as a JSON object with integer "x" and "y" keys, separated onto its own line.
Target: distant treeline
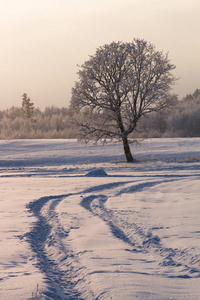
{"x": 52, "y": 123}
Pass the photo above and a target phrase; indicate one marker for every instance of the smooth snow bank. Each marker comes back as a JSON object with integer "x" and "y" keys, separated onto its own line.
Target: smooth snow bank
{"x": 77, "y": 222}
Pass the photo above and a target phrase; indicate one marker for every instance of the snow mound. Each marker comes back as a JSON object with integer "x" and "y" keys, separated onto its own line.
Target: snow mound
{"x": 97, "y": 173}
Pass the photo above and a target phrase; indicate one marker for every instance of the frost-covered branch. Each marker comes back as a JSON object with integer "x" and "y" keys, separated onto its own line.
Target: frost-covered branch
{"x": 127, "y": 79}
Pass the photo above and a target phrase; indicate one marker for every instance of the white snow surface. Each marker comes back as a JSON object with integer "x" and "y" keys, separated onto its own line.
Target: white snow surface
{"x": 78, "y": 222}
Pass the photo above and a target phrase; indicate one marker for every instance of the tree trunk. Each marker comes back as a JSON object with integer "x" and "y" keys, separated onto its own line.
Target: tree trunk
{"x": 127, "y": 151}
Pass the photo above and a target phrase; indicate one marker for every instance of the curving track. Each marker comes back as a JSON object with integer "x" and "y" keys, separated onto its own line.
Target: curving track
{"x": 145, "y": 239}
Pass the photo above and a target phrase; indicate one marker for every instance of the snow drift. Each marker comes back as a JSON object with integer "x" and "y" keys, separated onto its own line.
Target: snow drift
{"x": 77, "y": 222}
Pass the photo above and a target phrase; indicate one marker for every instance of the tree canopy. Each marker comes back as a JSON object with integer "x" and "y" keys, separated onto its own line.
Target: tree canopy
{"x": 119, "y": 84}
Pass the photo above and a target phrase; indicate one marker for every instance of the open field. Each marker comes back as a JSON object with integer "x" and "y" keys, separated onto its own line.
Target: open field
{"x": 78, "y": 222}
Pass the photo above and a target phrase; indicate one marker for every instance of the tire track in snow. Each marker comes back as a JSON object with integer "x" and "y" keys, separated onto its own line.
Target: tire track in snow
{"x": 141, "y": 240}
{"x": 96, "y": 204}
{"x": 47, "y": 232}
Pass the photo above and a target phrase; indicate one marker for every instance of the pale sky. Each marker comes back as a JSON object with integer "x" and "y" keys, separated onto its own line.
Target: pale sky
{"x": 42, "y": 41}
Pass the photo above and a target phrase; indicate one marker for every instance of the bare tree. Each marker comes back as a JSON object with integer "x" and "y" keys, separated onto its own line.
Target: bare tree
{"x": 119, "y": 84}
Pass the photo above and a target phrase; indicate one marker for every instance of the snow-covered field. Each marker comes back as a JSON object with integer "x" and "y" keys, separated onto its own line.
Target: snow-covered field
{"x": 78, "y": 222}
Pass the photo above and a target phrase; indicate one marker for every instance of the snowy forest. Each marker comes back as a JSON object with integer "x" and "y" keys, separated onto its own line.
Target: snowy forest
{"x": 27, "y": 122}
